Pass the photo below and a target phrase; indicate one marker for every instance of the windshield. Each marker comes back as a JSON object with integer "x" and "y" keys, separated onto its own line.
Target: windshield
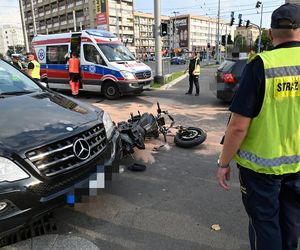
{"x": 116, "y": 52}
{"x": 13, "y": 81}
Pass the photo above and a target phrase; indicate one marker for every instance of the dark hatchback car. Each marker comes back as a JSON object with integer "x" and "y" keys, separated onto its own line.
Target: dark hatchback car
{"x": 178, "y": 60}
{"x": 227, "y": 78}
{"x": 50, "y": 144}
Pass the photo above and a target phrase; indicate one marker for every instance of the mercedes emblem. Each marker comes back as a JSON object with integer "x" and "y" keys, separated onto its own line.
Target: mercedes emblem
{"x": 81, "y": 149}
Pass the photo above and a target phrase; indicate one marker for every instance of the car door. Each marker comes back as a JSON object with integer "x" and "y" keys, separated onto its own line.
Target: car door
{"x": 57, "y": 68}
{"x": 91, "y": 67}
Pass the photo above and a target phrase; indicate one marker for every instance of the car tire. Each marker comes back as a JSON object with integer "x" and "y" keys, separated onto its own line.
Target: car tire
{"x": 110, "y": 90}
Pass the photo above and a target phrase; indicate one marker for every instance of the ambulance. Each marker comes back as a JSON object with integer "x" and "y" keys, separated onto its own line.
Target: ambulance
{"x": 106, "y": 65}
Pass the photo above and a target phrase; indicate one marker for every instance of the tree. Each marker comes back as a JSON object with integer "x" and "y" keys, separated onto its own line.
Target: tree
{"x": 240, "y": 43}
{"x": 266, "y": 43}
{"x": 18, "y": 49}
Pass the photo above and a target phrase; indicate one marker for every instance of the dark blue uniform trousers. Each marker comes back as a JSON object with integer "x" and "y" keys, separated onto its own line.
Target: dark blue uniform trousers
{"x": 273, "y": 206}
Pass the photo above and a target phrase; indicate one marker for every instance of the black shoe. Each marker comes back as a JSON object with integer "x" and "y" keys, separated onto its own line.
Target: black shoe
{"x": 196, "y": 94}
{"x": 188, "y": 93}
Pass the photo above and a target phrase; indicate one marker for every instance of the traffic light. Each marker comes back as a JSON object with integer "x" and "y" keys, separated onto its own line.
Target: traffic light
{"x": 258, "y": 4}
{"x": 229, "y": 41}
{"x": 208, "y": 45}
{"x": 223, "y": 40}
{"x": 232, "y": 21}
{"x": 247, "y": 23}
{"x": 232, "y": 18}
{"x": 164, "y": 29}
{"x": 240, "y": 20}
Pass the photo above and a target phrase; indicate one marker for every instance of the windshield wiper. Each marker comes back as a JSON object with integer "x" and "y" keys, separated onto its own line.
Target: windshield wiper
{"x": 3, "y": 94}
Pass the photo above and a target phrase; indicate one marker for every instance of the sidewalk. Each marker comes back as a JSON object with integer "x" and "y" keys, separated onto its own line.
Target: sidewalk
{"x": 55, "y": 242}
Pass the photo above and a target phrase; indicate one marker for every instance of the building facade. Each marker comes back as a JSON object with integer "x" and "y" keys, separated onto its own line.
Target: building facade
{"x": 292, "y": 1}
{"x": 143, "y": 33}
{"x": 196, "y": 32}
{"x": 10, "y": 36}
{"x": 250, "y": 34}
{"x": 59, "y": 16}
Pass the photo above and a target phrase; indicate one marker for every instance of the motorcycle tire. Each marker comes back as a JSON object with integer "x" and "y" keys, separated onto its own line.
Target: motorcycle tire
{"x": 190, "y": 137}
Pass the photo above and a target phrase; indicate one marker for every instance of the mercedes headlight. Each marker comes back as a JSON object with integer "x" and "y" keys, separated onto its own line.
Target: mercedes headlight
{"x": 10, "y": 171}
{"x": 108, "y": 124}
{"x": 127, "y": 75}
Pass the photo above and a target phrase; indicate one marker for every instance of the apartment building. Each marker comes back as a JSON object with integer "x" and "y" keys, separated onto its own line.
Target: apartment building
{"x": 292, "y": 1}
{"x": 251, "y": 33}
{"x": 10, "y": 36}
{"x": 190, "y": 32}
{"x": 121, "y": 21}
{"x": 143, "y": 33}
{"x": 58, "y": 16}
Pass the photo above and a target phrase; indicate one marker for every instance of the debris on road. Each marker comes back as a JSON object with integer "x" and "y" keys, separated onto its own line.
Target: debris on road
{"x": 216, "y": 227}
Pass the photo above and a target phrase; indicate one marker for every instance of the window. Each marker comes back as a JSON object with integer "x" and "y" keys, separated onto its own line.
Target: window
{"x": 56, "y": 54}
{"x": 92, "y": 55}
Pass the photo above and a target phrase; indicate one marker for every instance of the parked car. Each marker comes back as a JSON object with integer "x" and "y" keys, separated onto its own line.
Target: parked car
{"x": 227, "y": 78}
{"x": 49, "y": 145}
{"x": 178, "y": 60}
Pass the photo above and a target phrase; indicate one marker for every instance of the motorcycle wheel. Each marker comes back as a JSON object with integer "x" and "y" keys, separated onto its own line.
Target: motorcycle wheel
{"x": 190, "y": 137}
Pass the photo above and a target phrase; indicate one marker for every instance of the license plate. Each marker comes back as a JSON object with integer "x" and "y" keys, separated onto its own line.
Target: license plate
{"x": 146, "y": 86}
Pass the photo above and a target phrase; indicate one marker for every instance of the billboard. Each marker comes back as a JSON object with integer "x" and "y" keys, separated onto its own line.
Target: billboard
{"x": 101, "y": 14}
{"x": 181, "y": 32}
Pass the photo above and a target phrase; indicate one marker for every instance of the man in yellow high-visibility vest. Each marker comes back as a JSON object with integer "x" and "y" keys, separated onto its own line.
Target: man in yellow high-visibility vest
{"x": 263, "y": 137}
{"x": 33, "y": 68}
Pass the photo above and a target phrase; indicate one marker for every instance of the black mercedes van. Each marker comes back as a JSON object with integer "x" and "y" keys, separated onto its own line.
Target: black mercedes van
{"x": 49, "y": 143}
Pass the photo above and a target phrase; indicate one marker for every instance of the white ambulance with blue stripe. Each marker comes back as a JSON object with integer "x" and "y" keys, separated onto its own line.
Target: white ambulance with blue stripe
{"x": 106, "y": 65}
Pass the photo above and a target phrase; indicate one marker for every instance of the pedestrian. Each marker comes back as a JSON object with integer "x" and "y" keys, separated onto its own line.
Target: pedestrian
{"x": 16, "y": 62}
{"x": 74, "y": 72}
{"x": 263, "y": 137}
{"x": 33, "y": 68}
{"x": 194, "y": 73}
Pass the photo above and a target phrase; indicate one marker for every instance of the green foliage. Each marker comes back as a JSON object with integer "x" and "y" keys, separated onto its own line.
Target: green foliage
{"x": 265, "y": 41}
{"x": 240, "y": 43}
{"x": 18, "y": 49}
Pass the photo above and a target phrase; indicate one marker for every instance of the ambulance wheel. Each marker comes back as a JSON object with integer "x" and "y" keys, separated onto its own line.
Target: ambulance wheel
{"x": 110, "y": 90}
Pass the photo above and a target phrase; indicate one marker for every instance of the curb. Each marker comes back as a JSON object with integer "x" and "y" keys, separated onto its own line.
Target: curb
{"x": 170, "y": 84}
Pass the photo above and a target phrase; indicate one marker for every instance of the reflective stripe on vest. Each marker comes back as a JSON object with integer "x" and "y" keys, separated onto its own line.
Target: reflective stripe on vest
{"x": 271, "y": 145}
{"x": 36, "y": 70}
{"x": 275, "y": 162}
{"x": 74, "y": 65}
{"x": 282, "y": 71}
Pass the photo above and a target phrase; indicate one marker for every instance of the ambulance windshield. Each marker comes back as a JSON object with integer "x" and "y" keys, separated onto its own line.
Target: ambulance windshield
{"x": 116, "y": 52}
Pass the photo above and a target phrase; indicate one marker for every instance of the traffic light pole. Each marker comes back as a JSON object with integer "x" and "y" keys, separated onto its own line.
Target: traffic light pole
{"x": 158, "y": 60}
{"x": 259, "y": 40}
{"x": 218, "y": 35}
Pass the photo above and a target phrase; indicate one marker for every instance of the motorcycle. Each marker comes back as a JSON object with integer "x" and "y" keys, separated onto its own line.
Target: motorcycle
{"x": 185, "y": 137}
{"x": 132, "y": 135}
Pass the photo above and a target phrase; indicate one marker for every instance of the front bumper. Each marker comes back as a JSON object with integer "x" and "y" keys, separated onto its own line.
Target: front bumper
{"x": 31, "y": 198}
{"x": 134, "y": 86}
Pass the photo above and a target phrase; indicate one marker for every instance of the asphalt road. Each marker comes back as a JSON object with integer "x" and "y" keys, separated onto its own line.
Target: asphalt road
{"x": 174, "y": 203}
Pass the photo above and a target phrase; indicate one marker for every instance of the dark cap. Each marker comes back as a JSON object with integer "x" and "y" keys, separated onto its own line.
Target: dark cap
{"x": 287, "y": 16}
{"x": 29, "y": 54}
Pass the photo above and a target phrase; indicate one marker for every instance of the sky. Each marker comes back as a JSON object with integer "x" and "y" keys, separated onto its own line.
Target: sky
{"x": 9, "y": 9}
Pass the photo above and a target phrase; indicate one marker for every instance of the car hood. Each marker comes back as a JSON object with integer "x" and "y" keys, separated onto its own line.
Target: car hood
{"x": 131, "y": 66}
{"x": 32, "y": 120}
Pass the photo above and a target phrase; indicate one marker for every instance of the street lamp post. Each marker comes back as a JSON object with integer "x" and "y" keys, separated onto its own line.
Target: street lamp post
{"x": 13, "y": 31}
{"x": 174, "y": 28}
{"x": 218, "y": 35}
{"x": 259, "y": 4}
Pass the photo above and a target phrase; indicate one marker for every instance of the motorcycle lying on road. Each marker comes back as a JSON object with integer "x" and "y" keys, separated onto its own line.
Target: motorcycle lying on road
{"x": 185, "y": 137}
